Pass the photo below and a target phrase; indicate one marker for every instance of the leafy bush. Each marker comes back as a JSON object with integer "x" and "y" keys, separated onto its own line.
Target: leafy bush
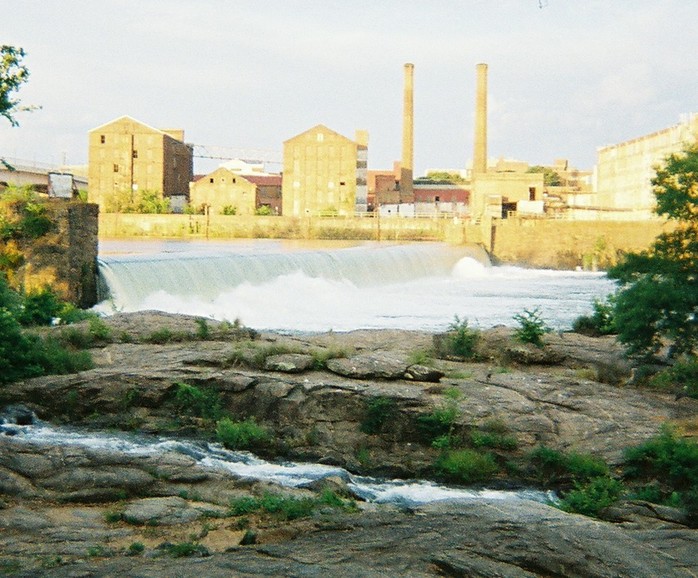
{"x": 24, "y": 355}
{"x": 380, "y": 411}
{"x": 682, "y": 377}
{"x": 666, "y": 459}
{"x": 459, "y": 341}
{"x": 439, "y": 424}
{"x": 531, "y": 328}
{"x": 466, "y": 466}
{"x": 600, "y": 322}
{"x": 592, "y": 497}
{"x": 197, "y": 402}
{"x": 241, "y": 435}
{"x": 40, "y": 308}
{"x": 552, "y": 466}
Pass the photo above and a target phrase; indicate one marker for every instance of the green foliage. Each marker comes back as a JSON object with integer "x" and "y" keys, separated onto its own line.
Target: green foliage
{"x": 25, "y": 355}
{"x": 203, "y": 331}
{"x": 439, "y": 423}
{"x": 666, "y": 459}
{"x": 13, "y": 74}
{"x": 197, "y": 402}
{"x": 553, "y": 466}
{"x": 494, "y": 434}
{"x": 40, "y": 307}
{"x": 288, "y": 507}
{"x": 380, "y": 412}
{"x": 601, "y": 321}
{"x": 466, "y": 466}
{"x": 242, "y": 435}
{"x": 550, "y": 177}
{"x": 657, "y": 302}
{"x": 682, "y": 378}
{"x": 263, "y": 211}
{"x": 443, "y": 177}
{"x": 143, "y": 202}
{"x": 185, "y": 549}
{"x": 166, "y": 335}
{"x": 229, "y": 210}
{"x": 593, "y": 496}
{"x": 461, "y": 339}
{"x": 531, "y": 328}
{"x": 135, "y": 549}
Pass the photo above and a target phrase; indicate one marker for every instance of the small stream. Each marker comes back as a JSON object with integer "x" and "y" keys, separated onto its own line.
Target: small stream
{"x": 240, "y": 464}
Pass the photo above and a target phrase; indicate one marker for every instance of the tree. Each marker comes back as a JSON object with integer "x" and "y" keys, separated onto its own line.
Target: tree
{"x": 657, "y": 302}
{"x": 12, "y": 75}
{"x": 550, "y": 177}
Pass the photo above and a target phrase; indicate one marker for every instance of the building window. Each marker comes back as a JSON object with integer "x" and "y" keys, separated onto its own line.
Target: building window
{"x": 234, "y": 181}
{"x": 211, "y": 180}
{"x": 116, "y": 168}
{"x": 437, "y": 198}
{"x": 134, "y": 154}
{"x": 531, "y": 193}
{"x": 102, "y": 139}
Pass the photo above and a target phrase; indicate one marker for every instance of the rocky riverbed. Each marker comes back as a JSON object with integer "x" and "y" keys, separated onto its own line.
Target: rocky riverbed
{"x": 81, "y": 511}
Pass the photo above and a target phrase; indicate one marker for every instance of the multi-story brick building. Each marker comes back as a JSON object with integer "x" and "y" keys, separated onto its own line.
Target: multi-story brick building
{"x": 324, "y": 173}
{"x": 127, "y": 156}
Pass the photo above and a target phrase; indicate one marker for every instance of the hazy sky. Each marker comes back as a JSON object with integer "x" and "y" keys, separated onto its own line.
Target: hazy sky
{"x": 564, "y": 78}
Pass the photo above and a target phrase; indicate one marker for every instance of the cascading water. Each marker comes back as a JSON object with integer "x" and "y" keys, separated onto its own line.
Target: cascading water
{"x": 372, "y": 286}
{"x": 247, "y": 466}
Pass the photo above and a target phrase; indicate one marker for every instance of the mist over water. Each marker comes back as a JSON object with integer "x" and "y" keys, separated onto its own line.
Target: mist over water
{"x": 309, "y": 287}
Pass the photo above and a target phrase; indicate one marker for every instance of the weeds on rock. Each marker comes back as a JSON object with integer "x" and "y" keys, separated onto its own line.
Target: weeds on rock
{"x": 459, "y": 341}
{"x": 466, "y": 466}
{"x": 197, "y": 402}
{"x": 380, "y": 412}
{"x": 531, "y": 328}
{"x": 288, "y": 507}
{"x": 242, "y": 435}
{"x": 593, "y": 496}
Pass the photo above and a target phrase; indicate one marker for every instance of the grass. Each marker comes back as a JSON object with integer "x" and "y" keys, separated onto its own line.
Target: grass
{"x": 288, "y": 507}
{"x": 242, "y": 435}
{"x": 197, "y": 402}
{"x": 466, "y": 466}
{"x": 380, "y": 412}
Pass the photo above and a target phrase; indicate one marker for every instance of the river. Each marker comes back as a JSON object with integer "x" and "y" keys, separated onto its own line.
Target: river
{"x": 341, "y": 286}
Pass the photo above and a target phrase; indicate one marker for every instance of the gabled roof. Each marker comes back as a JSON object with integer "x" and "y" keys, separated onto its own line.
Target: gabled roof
{"x": 263, "y": 180}
{"x": 319, "y": 128}
{"x": 130, "y": 118}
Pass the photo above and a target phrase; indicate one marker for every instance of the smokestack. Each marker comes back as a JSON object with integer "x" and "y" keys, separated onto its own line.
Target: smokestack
{"x": 480, "y": 144}
{"x": 406, "y": 167}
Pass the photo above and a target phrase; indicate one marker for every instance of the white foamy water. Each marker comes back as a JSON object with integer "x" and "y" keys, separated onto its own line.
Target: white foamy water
{"x": 370, "y": 286}
{"x": 210, "y": 456}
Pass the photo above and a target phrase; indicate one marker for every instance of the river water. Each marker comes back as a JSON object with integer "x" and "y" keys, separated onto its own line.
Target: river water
{"x": 297, "y": 286}
{"x": 244, "y": 465}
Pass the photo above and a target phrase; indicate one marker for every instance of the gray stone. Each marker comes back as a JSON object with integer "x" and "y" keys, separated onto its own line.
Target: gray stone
{"x": 370, "y": 366}
{"x": 422, "y": 373}
{"x": 289, "y": 362}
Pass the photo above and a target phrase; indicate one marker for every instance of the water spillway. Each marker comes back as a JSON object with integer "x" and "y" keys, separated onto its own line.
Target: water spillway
{"x": 266, "y": 284}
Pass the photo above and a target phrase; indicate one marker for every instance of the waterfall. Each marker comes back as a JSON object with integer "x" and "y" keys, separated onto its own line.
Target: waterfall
{"x": 205, "y": 275}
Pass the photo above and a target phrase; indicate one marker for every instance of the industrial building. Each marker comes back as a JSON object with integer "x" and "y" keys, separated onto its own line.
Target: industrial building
{"x": 624, "y": 171}
{"x": 226, "y": 192}
{"x": 127, "y": 156}
{"x": 325, "y": 174}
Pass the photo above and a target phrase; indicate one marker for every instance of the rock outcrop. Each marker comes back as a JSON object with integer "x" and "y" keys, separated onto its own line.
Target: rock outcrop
{"x": 70, "y": 511}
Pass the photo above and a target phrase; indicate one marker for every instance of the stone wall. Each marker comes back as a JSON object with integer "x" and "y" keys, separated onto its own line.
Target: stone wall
{"x": 66, "y": 258}
{"x": 569, "y": 244}
{"x": 527, "y": 242}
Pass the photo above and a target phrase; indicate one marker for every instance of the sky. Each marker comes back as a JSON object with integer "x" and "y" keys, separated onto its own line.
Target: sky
{"x": 565, "y": 76}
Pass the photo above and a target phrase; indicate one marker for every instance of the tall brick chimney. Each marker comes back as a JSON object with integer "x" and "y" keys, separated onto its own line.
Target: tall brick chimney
{"x": 480, "y": 143}
{"x": 407, "y": 164}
